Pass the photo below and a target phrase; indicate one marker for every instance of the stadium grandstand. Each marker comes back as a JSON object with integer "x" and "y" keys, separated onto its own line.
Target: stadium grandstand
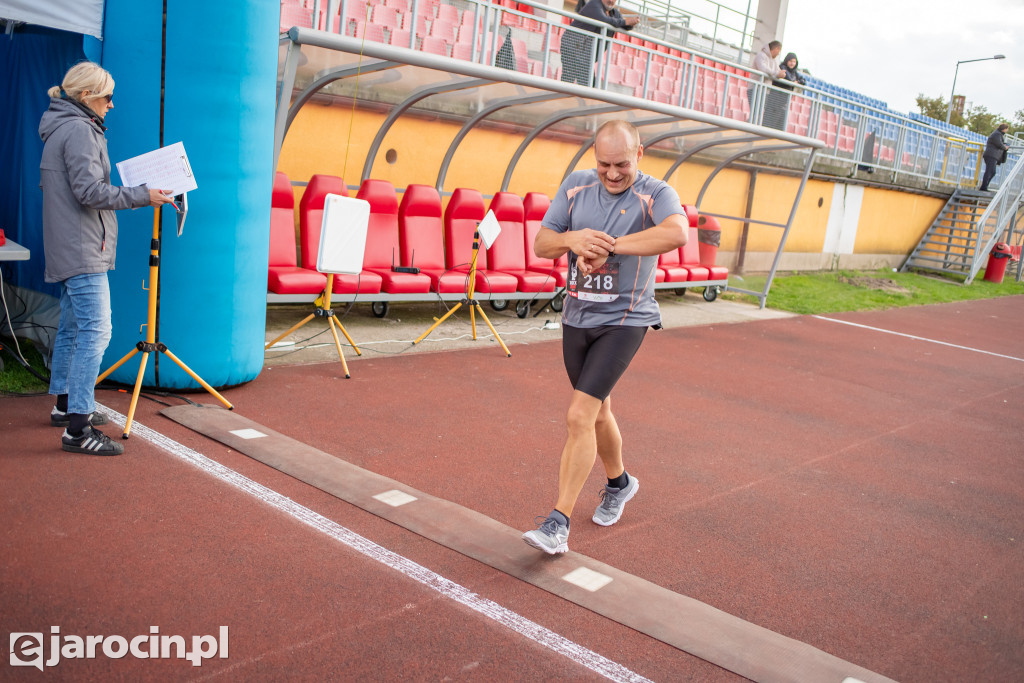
{"x": 666, "y": 60}
{"x": 873, "y": 163}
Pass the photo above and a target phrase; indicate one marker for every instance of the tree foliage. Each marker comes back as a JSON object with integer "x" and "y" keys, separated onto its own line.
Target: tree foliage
{"x": 936, "y": 107}
{"x": 976, "y": 118}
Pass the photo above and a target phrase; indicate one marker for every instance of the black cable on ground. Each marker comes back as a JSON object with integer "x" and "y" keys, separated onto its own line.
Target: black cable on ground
{"x": 22, "y": 363}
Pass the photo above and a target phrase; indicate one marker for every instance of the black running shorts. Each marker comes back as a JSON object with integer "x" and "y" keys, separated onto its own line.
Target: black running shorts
{"x": 596, "y": 357}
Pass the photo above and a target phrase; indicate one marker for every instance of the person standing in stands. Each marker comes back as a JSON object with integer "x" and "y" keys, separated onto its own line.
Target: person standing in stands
{"x": 79, "y": 244}
{"x": 780, "y": 100}
{"x": 578, "y": 48}
{"x": 789, "y": 65}
{"x": 767, "y": 62}
{"x": 613, "y": 221}
{"x": 995, "y": 154}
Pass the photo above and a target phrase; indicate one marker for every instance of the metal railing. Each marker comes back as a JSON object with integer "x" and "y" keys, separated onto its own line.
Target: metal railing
{"x": 678, "y": 20}
{"x": 858, "y": 136}
{"x": 999, "y": 217}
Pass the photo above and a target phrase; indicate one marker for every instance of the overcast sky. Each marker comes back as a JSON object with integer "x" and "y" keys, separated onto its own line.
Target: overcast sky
{"x": 894, "y": 49}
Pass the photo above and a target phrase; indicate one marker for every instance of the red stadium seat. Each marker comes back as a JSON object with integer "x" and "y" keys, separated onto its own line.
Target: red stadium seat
{"x": 508, "y": 253}
{"x": 311, "y": 215}
{"x": 421, "y": 238}
{"x": 388, "y": 17}
{"x": 462, "y": 51}
{"x": 671, "y": 269}
{"x": 632, "y": 78}
{"x": 616, "y": 74}
{"x": 295, "y": 15}
{"x": 436, "y": 46}
{"x": 399, "y": 37}
{"x": 535, "y": 205}
{"x": 357, "y": 9}
{"x": 443, "y": 29}
{"x": 449, "y": 13}
{"x": 690, "y": 259}
{"x": 465, "y": 211}
{"x": 284, "y": 276}
{"x": 382, "y": 251}
{"x": 374, "y": 33}
{"x": 691, "y": 214}
{"x": 421, "y": 24}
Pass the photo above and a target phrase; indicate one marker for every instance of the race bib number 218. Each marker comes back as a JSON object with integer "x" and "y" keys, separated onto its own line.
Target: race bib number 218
{"x": 600, "y": 285}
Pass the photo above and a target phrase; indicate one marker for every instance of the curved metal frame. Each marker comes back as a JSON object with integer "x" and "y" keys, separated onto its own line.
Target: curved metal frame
{"x": 652, "y": 141}
{"x": 544, "y": 125}
{"x": 728, "y": 160}
{"x": 416, "y": 96}
{"x": 699, "y": 148}
{"x": 480, "y": 116}
{"x": 330, "y": 77}
{"x": 469, "y": 75}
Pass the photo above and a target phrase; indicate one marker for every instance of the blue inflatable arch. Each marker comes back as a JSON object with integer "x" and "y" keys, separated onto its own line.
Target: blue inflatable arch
{"x": 205, "y": 77}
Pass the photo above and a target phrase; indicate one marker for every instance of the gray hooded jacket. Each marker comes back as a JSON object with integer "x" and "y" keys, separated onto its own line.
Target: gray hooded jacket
{"x": 79, "y": 225}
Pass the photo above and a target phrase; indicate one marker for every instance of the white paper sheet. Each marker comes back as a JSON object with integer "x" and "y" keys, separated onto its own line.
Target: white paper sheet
{"x": 165, "y": 169}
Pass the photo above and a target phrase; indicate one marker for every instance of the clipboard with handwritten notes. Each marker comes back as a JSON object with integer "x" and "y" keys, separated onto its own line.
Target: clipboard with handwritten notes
{"x": 167, "y": 169}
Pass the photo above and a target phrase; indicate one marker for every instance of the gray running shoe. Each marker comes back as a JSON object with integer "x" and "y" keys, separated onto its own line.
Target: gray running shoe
{"x": 550, "y": 536}
{"x": 613, "y": 501}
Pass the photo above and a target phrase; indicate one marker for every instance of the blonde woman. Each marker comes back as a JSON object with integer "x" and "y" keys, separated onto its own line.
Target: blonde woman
{"x": 80, "y": 243}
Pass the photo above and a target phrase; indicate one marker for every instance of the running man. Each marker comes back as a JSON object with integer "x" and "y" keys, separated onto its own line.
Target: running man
{"x": 613, "y": 221}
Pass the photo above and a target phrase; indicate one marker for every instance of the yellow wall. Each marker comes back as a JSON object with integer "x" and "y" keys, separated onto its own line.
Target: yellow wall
{"x": 893, "y": 222}
{"x": 322, "y": 141}
{"x": 335, "y": 141}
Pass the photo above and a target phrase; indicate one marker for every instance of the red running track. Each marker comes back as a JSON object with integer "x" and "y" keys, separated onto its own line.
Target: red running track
{"x": 853, "y": 489}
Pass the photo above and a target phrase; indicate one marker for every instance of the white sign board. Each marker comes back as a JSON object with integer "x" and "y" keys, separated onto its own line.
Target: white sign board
{"x": 165, "y": 169}
{"x": 343, "y": 235}
{"x": 489, "y": 228}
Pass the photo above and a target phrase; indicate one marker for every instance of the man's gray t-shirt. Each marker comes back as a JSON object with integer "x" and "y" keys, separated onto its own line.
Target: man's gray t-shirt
{"x": 622, "y": 291}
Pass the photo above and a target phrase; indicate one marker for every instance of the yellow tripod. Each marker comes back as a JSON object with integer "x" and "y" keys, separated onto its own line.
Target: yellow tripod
{"x": 474, "y": 305}
{"x": 151, "y": 345}
{"x": 324, "y": 310}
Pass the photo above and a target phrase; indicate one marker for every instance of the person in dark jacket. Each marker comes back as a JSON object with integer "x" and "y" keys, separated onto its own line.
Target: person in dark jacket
{"x": 995, "y": 148}
{"x": 578, "y": 47}
{"x": 776, "y": 108}
{"x": 80, "y": 243}
{"x": 789, "y": 65}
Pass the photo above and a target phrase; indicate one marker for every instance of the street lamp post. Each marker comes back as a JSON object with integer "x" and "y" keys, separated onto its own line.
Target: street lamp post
{"x": 949, "y": 109}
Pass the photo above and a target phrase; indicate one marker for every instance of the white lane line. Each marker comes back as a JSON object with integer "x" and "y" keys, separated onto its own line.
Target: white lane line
{"x": 911, "y": 336}
{"x": 488, "y": 608}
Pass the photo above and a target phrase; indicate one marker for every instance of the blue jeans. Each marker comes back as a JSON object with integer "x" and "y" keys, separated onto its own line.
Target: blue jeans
{"x": 82, "y": 337}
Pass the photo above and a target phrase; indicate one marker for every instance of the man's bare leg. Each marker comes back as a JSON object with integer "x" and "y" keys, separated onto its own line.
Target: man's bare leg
{"x": 580, "y": 449}
{"x": 609, "y": 441}
{"x": 620, "y": 489}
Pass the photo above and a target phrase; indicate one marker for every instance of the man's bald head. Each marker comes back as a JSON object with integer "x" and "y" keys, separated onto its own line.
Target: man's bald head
{"x": 618, "y": 150}
{"x": 616, "y": 128}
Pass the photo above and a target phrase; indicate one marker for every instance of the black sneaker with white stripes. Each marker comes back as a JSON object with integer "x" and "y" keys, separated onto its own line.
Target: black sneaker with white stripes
{"x": 92, "y": 441}
{"x": 59, "y": 418}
